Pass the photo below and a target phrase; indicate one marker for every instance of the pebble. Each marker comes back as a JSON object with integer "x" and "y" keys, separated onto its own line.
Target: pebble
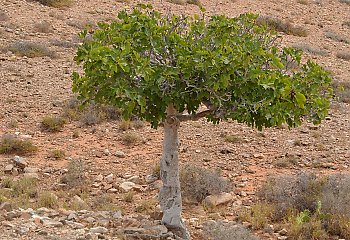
{"x": 98, "y": 230}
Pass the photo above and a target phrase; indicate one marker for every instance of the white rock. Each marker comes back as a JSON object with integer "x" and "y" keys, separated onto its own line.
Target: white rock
{"x": 215, "y": 200}
{"x": 98, "y": 230}
{"x": 127, "y": 186}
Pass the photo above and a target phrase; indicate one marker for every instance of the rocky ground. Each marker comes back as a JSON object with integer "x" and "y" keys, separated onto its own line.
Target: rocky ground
{"x": 120, "y": 176}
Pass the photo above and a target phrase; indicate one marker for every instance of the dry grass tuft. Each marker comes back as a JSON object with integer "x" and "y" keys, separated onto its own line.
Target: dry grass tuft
{"x": 226, "y": 231}
{"x": 57, "y": 154}
{"x": 3, "y": 16}
{"x": 52, "y": 124}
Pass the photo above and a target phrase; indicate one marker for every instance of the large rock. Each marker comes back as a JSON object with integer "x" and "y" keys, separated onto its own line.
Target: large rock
{"x": 215, "y": 200}
{"x": 6, "y": 206}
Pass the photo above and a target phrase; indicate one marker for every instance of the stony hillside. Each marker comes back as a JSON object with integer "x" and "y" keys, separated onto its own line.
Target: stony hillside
{"x": 97, "y": 175}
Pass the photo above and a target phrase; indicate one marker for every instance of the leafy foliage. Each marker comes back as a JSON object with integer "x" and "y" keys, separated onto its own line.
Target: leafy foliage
{"x": 144, "y": 62}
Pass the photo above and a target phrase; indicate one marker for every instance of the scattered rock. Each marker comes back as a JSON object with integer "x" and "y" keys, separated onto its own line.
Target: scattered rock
{"x": 151, "y": 178}
{"x": 127, "y": 186}
{"x": 9, "y": 168}
{"x": 20, "y": 162}
{"x": 215, "y": 200}
{"x": 120, "y": 154}
{"x": 31, "y": 170}
{"x": 98, "y": 230}
{"x": 109, "y": 178}
{"x": 6, "y": 206}
{"x": 31, "y": 175}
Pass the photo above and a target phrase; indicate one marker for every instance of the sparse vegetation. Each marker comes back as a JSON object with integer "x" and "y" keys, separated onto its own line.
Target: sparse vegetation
{"x": 281, "y": 26}
{"x": 197, "y": 183}
{"x": 57, "y": 154}
{"x": 286, "y": 161}
{"x": 345, "y": 1}
{"x": 3, "y": 16}
{"x": 304, "y": 2}
{"x": 309, "y": 207}
{"x": 75, "y": 176}
{"x": 13, "y": 123}
{"x": 178, "y": 2}
{"x": 47, "y": 199}
{"x": 346, "y": 23}
{"x": 226, "y": 231}
{"x": 125, "y": 125}
{"x": 337, "y": 37}
{"x": 43, "y": 27}
{"x": 129, "y": 196}
{"x": 10, "y": 144}
{"x": 344, "y": 55}
{"x": 232, "y": 139}
{"x": 146, "y": 206}
{"x": 130, "y": 138}
{"x": 310, "y": 49}
{"x": 52, "y": 124}
{"x": 63, "y": 43}
{"x": 30, "y": 49}
{"x": 19, "y": 192}
{"x": 56, "y": 3}
{"x": 104, "y": 202}
{"x": 342, "y": 90}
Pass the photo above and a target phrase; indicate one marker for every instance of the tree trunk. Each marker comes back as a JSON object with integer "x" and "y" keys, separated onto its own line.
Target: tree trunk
{"x": 170, "y": 194}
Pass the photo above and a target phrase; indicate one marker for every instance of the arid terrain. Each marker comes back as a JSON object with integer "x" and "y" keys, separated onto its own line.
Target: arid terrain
{"x": 109, "y": 152}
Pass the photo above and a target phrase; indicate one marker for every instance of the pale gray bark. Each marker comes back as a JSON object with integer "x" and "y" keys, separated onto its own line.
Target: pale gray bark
{"x": 170, "y": 194}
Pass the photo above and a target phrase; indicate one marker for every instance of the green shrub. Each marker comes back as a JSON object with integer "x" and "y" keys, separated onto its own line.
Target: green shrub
{"x": 57, "y": 154}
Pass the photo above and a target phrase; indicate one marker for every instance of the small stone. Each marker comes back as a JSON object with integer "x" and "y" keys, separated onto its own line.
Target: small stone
{"x": 72, "y": 216}
{"x": 283, "y": 232}
{"x": 151, "y": 178}
{"x": 112, "y": 190}
{"x": 134, "y": 179}
{"x": 99, "y": 178}
{"x": 20, "y": 162}
{"x": 120, "y": 154}
{"x": 109, "y": 178}
{"x": 198, "y": 151}
{"x": 75, "y": 225}
{"x": 90, "y": 219}
{"x": 282, "y": 237}
{"x": 78, "y": 200}
{"x": 98, "y": 230}
{"x": 8, "y": 169}
{"x": 215, "y": 200}
{"x": 117, "y": 215}
{"x": 127, "y": 186}
{"x": 51, "y": 223}
{"x": 6, "y": 206}
{"x": 106, "y": 152}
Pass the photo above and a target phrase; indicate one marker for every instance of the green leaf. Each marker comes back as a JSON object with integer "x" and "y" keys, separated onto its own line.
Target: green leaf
{"x": 301, "y": 99}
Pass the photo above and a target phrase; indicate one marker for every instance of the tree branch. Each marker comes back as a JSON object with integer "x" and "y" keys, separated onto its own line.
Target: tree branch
{"x": 194, "y": 117}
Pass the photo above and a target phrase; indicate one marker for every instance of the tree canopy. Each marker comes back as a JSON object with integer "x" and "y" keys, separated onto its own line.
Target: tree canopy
{"x": 144, "y": 61}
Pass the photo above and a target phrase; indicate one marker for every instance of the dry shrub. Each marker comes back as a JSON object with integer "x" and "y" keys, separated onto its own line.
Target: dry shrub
{"x": 310, "y": 49}
{"x": 344, "y": 55}
{"x": 56, "y": 3}
{"x": 75, "y": 176}
{"x": 63, "y": 43}
{"x": 3, "y": 16}
{"x": 342, "y": 91}
{"x": 281, "y": 26}
{"x": 197, "y": 183}
{"x": 10, "y": 144}
{"x": 226, "y": 231}
{"x": 290, "y": 192}
{"x": 43, "y": 27}
{"x": 337, "y": 37}
{"x": 47, "y": 199}
{"x": 52, "y": 124}
{"x": 345, "y": 1}
{"x": 30, "y": 49}
{"x": 57, "y": 154}
{"x": 258, "y": 215}
{"x": 130, "y": 138}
